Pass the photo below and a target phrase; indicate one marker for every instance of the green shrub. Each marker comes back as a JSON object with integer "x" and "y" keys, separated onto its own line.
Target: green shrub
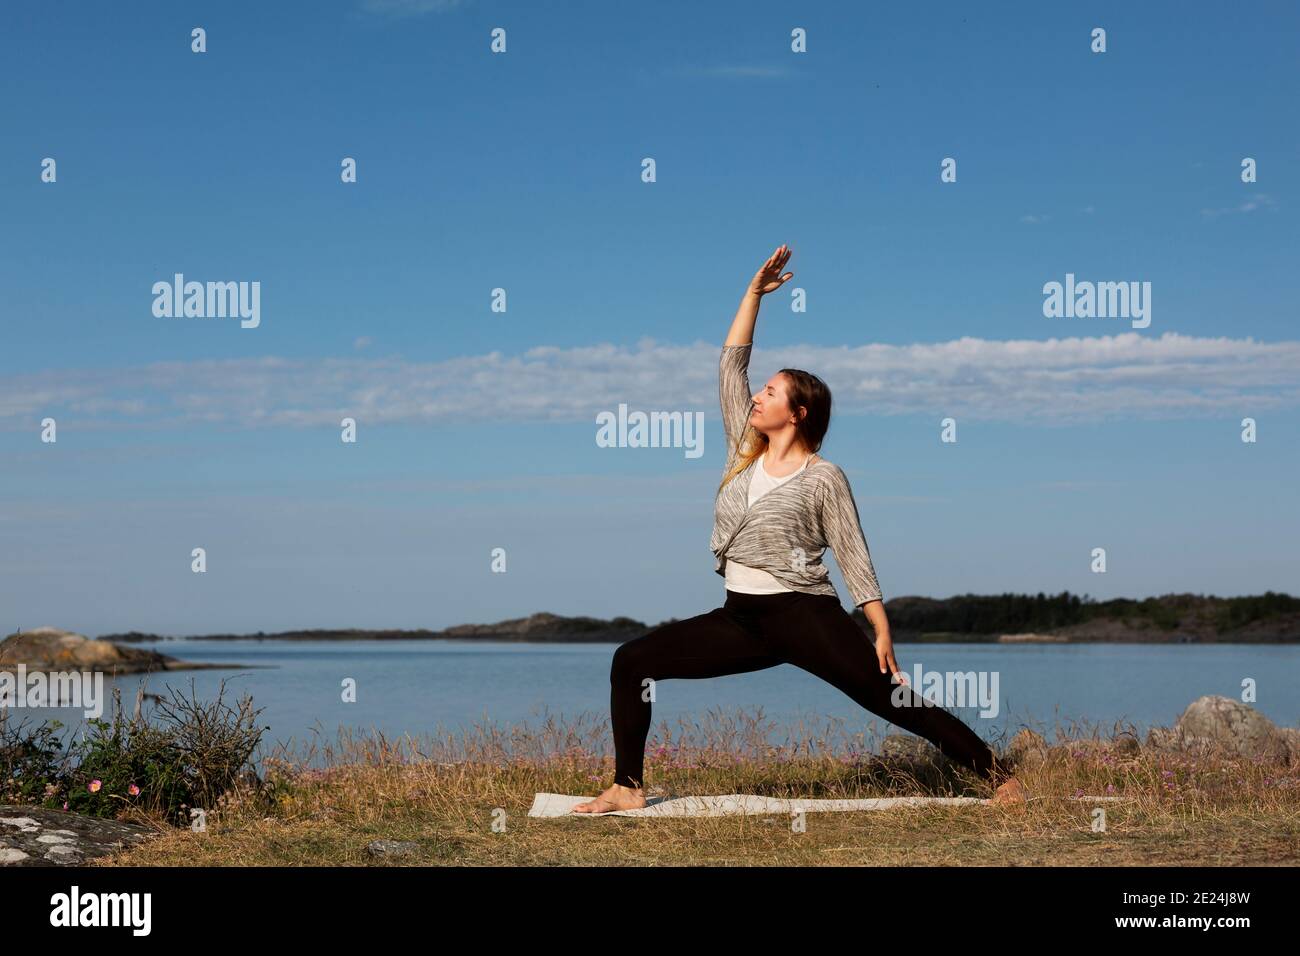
{"x": 187, "y": 756}
{"x": 29, "y": 760}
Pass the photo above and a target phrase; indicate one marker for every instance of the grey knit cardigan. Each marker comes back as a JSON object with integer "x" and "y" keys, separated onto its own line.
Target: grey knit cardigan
{"x": 787, "y": 530}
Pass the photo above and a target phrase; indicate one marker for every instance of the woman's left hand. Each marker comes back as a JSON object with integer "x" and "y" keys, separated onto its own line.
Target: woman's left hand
{"x": 885, "y": 655}
{"x": 874, "y": 612}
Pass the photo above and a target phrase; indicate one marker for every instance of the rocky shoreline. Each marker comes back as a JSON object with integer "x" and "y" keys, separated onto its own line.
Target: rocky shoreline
{"x": 52, "y": 649}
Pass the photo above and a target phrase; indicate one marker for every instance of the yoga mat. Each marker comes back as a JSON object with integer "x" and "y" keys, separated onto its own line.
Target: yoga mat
{"x": 732, "y": 804}
{"x": 738, "y": 804}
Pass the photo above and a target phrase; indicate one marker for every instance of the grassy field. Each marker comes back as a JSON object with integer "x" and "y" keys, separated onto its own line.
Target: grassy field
{"x": 465, "y": 803}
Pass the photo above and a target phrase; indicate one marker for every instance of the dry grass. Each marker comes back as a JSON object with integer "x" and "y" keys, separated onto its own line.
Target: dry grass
{"x": 465, "y": 802}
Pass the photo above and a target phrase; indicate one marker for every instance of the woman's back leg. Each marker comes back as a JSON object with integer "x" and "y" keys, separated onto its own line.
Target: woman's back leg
{"x": 818, "y": 635}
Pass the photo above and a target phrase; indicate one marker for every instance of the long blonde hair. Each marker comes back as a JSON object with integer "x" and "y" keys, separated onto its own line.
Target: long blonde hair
{"x": 804, "y": 389}
{"x": 751, "y": 444}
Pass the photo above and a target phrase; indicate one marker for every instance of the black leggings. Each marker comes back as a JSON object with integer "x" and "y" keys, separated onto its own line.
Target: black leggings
{"x": 753, "y": 631}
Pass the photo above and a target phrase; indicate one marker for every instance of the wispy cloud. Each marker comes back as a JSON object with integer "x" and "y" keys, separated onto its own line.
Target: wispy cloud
{"x": 1034, "y": 219}
{"x": 1080, "y": 485}
{"x": 1253, "y": 204}
{"x": 1129, "y": 376}
{"x": 409, "y": 8}
{"x": 731, "y": 72}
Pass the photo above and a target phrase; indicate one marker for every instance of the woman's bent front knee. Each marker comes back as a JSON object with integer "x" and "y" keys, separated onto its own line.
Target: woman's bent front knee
{"x": 628, "y": 664}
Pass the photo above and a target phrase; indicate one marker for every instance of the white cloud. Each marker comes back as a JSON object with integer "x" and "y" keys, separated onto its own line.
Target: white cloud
{"x": 1254, "y": 203}
{"x": 1124, "y": 376}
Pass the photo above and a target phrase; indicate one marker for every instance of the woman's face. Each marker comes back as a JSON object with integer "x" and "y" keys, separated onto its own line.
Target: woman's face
{"x": 772, "y": 410}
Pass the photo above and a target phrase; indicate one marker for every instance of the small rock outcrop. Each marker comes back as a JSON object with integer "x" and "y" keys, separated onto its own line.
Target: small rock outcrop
{"x": 1027, "y": 748}
{"x": 1127, "y": 743}
{"x": 35, "y": 836}
{"x": 907, "y": 747}
{"x": 52, "y": 649}
{"x": 390, "y": 848}
{"x": 1292, "y": 737}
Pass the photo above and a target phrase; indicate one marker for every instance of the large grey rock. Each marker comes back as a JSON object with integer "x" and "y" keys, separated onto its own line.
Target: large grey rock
{"x": 1238, "y": 728}
{"x": 35, "y": 836}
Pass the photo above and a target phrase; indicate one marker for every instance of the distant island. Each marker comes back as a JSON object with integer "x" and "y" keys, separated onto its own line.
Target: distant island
{"x": 47, "y": 649}
{"x": 1269, "y": 618}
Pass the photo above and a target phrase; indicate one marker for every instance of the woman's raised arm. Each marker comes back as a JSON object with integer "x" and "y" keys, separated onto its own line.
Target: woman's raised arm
{"x": 767, "y": 279}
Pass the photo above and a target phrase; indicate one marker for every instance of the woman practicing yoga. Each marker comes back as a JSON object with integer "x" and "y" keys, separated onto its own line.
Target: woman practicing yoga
{"x": 778, "y": 508}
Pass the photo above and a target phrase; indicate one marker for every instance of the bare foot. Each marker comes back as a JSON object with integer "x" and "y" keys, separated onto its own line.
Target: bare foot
{"x": 617, "y": 797}
{"x": 1011, "y": 792}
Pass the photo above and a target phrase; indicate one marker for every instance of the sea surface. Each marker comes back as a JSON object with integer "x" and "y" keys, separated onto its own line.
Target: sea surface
{"x": 413, "y": 689}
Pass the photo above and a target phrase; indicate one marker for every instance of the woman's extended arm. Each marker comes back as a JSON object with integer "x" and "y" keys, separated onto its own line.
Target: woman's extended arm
{"x": 844, "y": 534}
{"x": 767, "y": 279}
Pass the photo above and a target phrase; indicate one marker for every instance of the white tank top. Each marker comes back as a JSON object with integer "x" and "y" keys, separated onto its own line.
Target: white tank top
{"x": 740, "y": 577}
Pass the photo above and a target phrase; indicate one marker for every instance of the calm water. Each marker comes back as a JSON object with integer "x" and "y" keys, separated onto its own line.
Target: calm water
{"x": 418, "y": 688}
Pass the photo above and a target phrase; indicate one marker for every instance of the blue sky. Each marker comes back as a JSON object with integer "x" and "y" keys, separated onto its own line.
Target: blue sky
{"x": 522, "y": 171}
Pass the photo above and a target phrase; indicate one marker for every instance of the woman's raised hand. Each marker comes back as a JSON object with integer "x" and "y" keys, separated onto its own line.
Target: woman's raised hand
{"x": 768, "y": 278}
